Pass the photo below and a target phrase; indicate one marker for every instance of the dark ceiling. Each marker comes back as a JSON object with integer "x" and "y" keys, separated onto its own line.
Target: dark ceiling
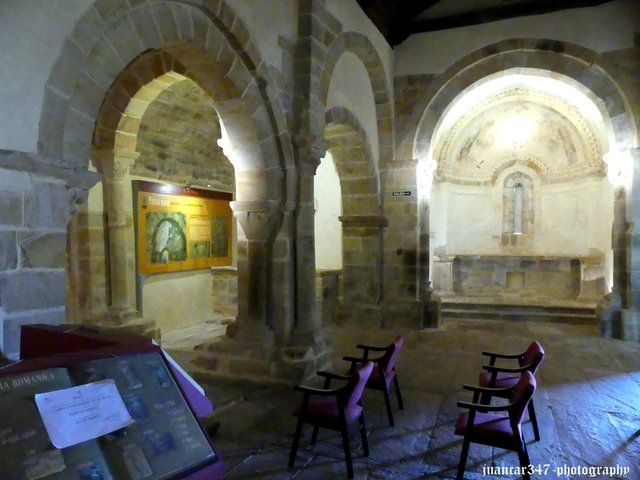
{"x": 397, "y": 19}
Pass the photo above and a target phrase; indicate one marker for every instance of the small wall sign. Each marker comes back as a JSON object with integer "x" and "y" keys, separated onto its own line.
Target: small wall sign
{"x": 401, "y": 193}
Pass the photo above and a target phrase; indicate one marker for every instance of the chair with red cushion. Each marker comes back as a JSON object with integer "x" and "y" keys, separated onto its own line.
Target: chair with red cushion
{"x": 338, "y": 409}
{"x": 507, "y": 377}
{"x": 383, "y": 377}
{"x": 496, "y": 425}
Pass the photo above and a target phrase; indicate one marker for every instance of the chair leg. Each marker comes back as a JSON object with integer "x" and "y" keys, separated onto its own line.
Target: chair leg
{"x": 363, "y": 435}
{"x": 296, "y": 441}
{"x": 463, "y": 459}
{"x": 387, "y": 401}
{"x": 523, "y": 456}
{"x": 398, "y": 395}
{"x": 347, "y": 451}
{"x": 534, "y": 420}
{"x": 314, "y": 435}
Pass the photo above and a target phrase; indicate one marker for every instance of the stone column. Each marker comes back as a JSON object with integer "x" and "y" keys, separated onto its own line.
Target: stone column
{"x": 115, "y": 168}
{"x": 630, "y": 322}
{"x": 609, "y": 312}
{"x": 307, "y": 326}
{"x": 257, "y": 219}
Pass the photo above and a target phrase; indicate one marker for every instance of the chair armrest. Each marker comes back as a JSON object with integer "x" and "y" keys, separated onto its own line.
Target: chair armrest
{"x": 328, "y": 376}
{"x": 492, "y": 391}
{"x": 372, "y": 348}
{"x": 333, "y": 376}
{"x": 361, "y": 359}
{"x": 494, "y": 368}
{"x": 502, "y": 355}
{"x": 318, "y": 391}
{"x": 484, "y": 408}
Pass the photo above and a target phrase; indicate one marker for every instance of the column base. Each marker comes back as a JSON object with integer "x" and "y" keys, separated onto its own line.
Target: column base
{"x": 235, "y": 357}
{"x": 130, "y": 321}
{"x": 622, "y": 324}
{"x": 359, "y": 315}
{"x": 250, "y": 334}
{"x": 630, "y": 325}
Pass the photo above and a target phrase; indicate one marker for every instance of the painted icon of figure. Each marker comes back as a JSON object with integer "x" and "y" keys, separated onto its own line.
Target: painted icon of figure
{"x": 161, "y": 240}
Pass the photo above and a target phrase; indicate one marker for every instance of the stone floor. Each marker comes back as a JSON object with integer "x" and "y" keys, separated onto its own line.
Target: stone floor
{"x": 587, "y": 402}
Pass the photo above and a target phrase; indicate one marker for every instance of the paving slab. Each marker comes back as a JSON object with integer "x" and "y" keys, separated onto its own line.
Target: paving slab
{"x": 587, "y": 405}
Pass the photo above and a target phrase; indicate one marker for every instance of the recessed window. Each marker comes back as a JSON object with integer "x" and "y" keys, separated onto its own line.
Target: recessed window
{"x": 517, "y": 205}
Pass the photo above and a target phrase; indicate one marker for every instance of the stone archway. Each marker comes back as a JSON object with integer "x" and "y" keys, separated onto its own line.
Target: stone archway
{"x": 381, "y": 151}
{"x": 593, "y": 75}
{"x": 362, "y": 224}
{"x": 572, "y": 61}
{"x": 105, "y": 69}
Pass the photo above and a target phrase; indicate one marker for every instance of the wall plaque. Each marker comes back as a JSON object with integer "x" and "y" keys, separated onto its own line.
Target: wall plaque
{"x": 181, "y": 228}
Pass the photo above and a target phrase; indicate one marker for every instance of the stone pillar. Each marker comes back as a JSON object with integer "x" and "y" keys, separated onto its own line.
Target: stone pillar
{"x": 307, "y": 326}
{"x": 402, "y": 302}
{"x": 257, "y": 219}
{"x": 115, "y": 169}
{"x": 630, "y": 321}
{"x": 362, "y": 269}
{"x": 609, "y": 312}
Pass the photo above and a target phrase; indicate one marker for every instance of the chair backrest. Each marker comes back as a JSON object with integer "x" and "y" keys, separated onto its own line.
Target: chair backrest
{"x": 388, "y": 362}
{"x": 357, "y": 383}
{"x": 521, "y": 396}
{"x": 533, "y": 357}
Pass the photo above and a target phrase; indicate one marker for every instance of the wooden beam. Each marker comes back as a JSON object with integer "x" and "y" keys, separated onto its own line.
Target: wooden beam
{"x": 498, "y": 13}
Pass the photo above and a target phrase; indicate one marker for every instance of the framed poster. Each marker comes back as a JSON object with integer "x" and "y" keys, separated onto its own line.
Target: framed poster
{"x": 181, "y": 228}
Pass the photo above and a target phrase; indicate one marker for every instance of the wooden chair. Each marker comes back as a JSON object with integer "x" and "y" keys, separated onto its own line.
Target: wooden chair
{"x": 496, "y": 425}
{"x": 383, "y": 377}
{"x": 507, "y": 377}
{"x": 338, "y": 409}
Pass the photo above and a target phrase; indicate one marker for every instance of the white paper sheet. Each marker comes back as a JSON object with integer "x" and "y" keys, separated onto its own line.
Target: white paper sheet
{"x": 77, "y": 414}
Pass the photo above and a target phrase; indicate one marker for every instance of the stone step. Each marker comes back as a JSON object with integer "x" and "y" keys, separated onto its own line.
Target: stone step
{"x": 534, "y": 313}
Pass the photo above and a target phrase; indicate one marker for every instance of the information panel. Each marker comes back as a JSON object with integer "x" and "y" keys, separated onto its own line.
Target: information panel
{"x": 181, "y": 228}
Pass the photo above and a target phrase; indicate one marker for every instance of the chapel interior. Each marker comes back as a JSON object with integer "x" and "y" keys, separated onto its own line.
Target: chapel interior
{"x": 461, "y": 173}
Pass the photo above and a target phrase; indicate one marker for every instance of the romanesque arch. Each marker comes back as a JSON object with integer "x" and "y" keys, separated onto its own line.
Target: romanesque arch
{"x": 575, "y": 62}
{"x": 595, "y": 76}
{"x": 90, "y": 110}
{"x": 361, "y": 222}
{"x": 362, "y": 47}
{"x": 362, "y": 219}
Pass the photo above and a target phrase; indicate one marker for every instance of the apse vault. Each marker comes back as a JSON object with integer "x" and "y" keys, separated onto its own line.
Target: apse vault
{"x": 520, "y": 204}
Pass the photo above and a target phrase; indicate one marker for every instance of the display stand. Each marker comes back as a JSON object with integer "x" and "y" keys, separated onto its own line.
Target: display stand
{"x": 153, "y": 388}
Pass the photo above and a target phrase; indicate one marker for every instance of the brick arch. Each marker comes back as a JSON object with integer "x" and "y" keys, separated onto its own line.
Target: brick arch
{"x": 347, "y": 142}
{"x": 575, "y": 62}
{"x": 100, "y": 70}
{"x": 362, "y": 47}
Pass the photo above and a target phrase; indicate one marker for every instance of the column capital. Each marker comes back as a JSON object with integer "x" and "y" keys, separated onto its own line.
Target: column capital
{"x": 256, "y": 217}
{"x": 310, "y": 149}
{"x": 114, "y": 164}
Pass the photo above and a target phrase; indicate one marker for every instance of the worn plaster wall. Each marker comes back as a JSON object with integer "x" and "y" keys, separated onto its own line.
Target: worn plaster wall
{"x": 604, "y": 28}
{"x": 349, "y": 71}
{"x": 571, "y": 219}
{"x": 26, "y": 27}
{"x": 272, "y": 35}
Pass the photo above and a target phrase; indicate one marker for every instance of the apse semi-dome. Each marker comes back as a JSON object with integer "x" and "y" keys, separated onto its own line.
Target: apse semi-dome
{"x": 519, "y": 126}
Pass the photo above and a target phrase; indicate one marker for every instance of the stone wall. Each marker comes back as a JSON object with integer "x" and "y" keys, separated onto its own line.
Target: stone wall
{"x": 177, "y": 140}
{"x": 518, "y": 278}
{"x": 224, "y": 294}
{"x": 34, "y": 212}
